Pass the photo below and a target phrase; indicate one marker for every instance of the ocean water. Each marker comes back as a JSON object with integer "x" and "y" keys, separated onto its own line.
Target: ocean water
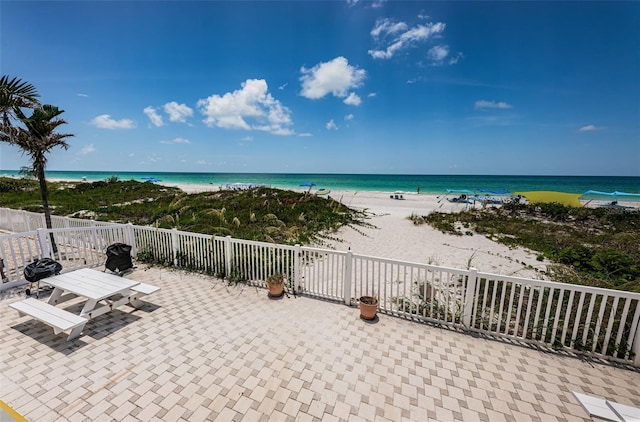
{"x": 432, "y": 184}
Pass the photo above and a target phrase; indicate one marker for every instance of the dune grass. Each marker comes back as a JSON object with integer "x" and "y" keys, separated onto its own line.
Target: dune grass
{"x": 592, "y": 246}
{"x": 263, "y": 214}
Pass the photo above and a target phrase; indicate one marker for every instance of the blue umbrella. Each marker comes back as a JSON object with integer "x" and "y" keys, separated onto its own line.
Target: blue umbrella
{"x": 497, "y": 192}
{"x": 616, "y": 193}
{"x": 308, "y": 184}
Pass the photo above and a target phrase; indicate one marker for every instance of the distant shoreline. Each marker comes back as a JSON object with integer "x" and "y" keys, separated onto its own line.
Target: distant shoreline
{"x": 427, "y": 184}
{"x": 400, "y": 204}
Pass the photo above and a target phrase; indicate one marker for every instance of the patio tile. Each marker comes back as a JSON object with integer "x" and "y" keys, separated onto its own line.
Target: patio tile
{"x": 197, "y": 352}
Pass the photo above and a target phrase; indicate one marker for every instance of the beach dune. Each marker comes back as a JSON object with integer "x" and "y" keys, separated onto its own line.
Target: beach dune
{"x": 394, "y": 235}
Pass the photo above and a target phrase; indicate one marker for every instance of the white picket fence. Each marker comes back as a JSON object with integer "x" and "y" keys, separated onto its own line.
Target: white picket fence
{"x": 597, "y": 322}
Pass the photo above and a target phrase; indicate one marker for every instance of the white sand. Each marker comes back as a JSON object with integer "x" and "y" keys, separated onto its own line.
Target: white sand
{"x": 397, "y": 237}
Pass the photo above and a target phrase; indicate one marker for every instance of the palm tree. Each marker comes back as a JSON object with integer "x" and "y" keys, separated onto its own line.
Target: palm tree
{"x": 14, "y": 95}
{"x": 37, "y": 140}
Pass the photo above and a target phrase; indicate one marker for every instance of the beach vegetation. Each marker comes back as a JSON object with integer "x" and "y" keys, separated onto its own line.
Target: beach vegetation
{"x": 261, "y": 214}
{"x": 590, "y": 246}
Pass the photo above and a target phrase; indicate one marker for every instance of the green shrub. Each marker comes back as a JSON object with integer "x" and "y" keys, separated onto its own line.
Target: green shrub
{"x": 600, "y": 245}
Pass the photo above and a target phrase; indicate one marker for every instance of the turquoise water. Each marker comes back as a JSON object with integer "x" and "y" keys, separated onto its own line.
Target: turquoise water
{"x": 434, "y": 184}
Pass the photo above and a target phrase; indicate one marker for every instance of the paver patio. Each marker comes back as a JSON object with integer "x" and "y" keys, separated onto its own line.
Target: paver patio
{"x": 200, "y": 350}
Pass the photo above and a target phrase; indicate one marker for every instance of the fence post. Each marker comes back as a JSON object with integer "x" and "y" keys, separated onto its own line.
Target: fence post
{"x": 131, "y": 239}
{"x": 636, "y": 347}
{"x": 94, "y": 240}
{"x": 175, "y": 246}
{"x": 348, "y": 266}
{"x": 296, "y": 268}
{"x": 227, "y": 256}
{"x": 469, "y": 297}
{"x": 44, "y": 246}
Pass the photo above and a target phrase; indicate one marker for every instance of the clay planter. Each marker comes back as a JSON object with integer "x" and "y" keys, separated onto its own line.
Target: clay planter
{"x": 368, "y": 307}
{"x": 275, "y": 289}
{"x": 275, "y": 283}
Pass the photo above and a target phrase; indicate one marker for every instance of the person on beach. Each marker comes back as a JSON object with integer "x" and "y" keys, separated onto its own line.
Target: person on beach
{"x": 418, "y": 190}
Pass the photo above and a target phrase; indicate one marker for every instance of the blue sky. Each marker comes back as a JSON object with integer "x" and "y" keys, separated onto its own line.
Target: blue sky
{"x": 390, "y": 87}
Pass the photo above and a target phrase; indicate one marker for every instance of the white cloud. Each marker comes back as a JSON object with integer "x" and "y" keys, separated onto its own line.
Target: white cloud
{"x": 331, "y": 125}
{"x": 348, "y": 117}
{"x": 395, "y": 36}
{"x": 176, "y": 141}
{"x": 591, "y": 128}
{"x": 155, "y": 118}
{"x": 305, "y": 134}
{"x": 455, "y": 59}
{"x": 372, "y": 94}
{"x": 480, "y": 104}
{"x": 252, "y": 102}
{"x": 336, "y": 77}
{"x": 152, "y": 158}
{"x": 352, "y": 99}
{"x": 283, "y": 86}
{"x": 104, "y": 121}
{"x": 438, "y": 53}
{"x": 87, "y": 150}
{"x": 387, "y": 27}
{"x": 82, "y": 95}
{"x": 177, "y": 112}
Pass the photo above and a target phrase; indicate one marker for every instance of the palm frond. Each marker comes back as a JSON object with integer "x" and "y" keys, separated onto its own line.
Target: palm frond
{"x": 16, "y": 93}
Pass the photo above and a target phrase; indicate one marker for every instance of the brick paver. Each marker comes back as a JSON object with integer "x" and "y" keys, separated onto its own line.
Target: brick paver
{"x": 202, "y": 351}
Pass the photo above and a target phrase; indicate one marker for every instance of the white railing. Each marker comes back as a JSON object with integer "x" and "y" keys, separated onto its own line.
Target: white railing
{"x": 17, "y": 221}
{"x": 74, "y": 248}
{"x": 598, "y": 322}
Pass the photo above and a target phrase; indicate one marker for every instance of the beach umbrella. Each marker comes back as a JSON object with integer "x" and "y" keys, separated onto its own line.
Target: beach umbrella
{"x": 465, "y": 191}
{"x": 309, "y": 185}
{"x": 625, "y": 194}
{"x": 616, "y": 193}
{"x": 495, "y": 192}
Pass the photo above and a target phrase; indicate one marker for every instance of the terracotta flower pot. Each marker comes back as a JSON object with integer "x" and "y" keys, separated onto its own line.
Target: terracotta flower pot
{"x": 275, "y": 289}
{"x": 368, "y": 307}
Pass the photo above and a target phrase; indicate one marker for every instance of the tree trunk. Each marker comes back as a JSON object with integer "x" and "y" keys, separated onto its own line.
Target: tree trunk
{"x": 44, "y": 194}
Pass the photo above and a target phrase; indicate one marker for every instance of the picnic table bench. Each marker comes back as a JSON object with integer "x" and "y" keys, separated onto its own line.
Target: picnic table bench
{"x": 59, "y": 319}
